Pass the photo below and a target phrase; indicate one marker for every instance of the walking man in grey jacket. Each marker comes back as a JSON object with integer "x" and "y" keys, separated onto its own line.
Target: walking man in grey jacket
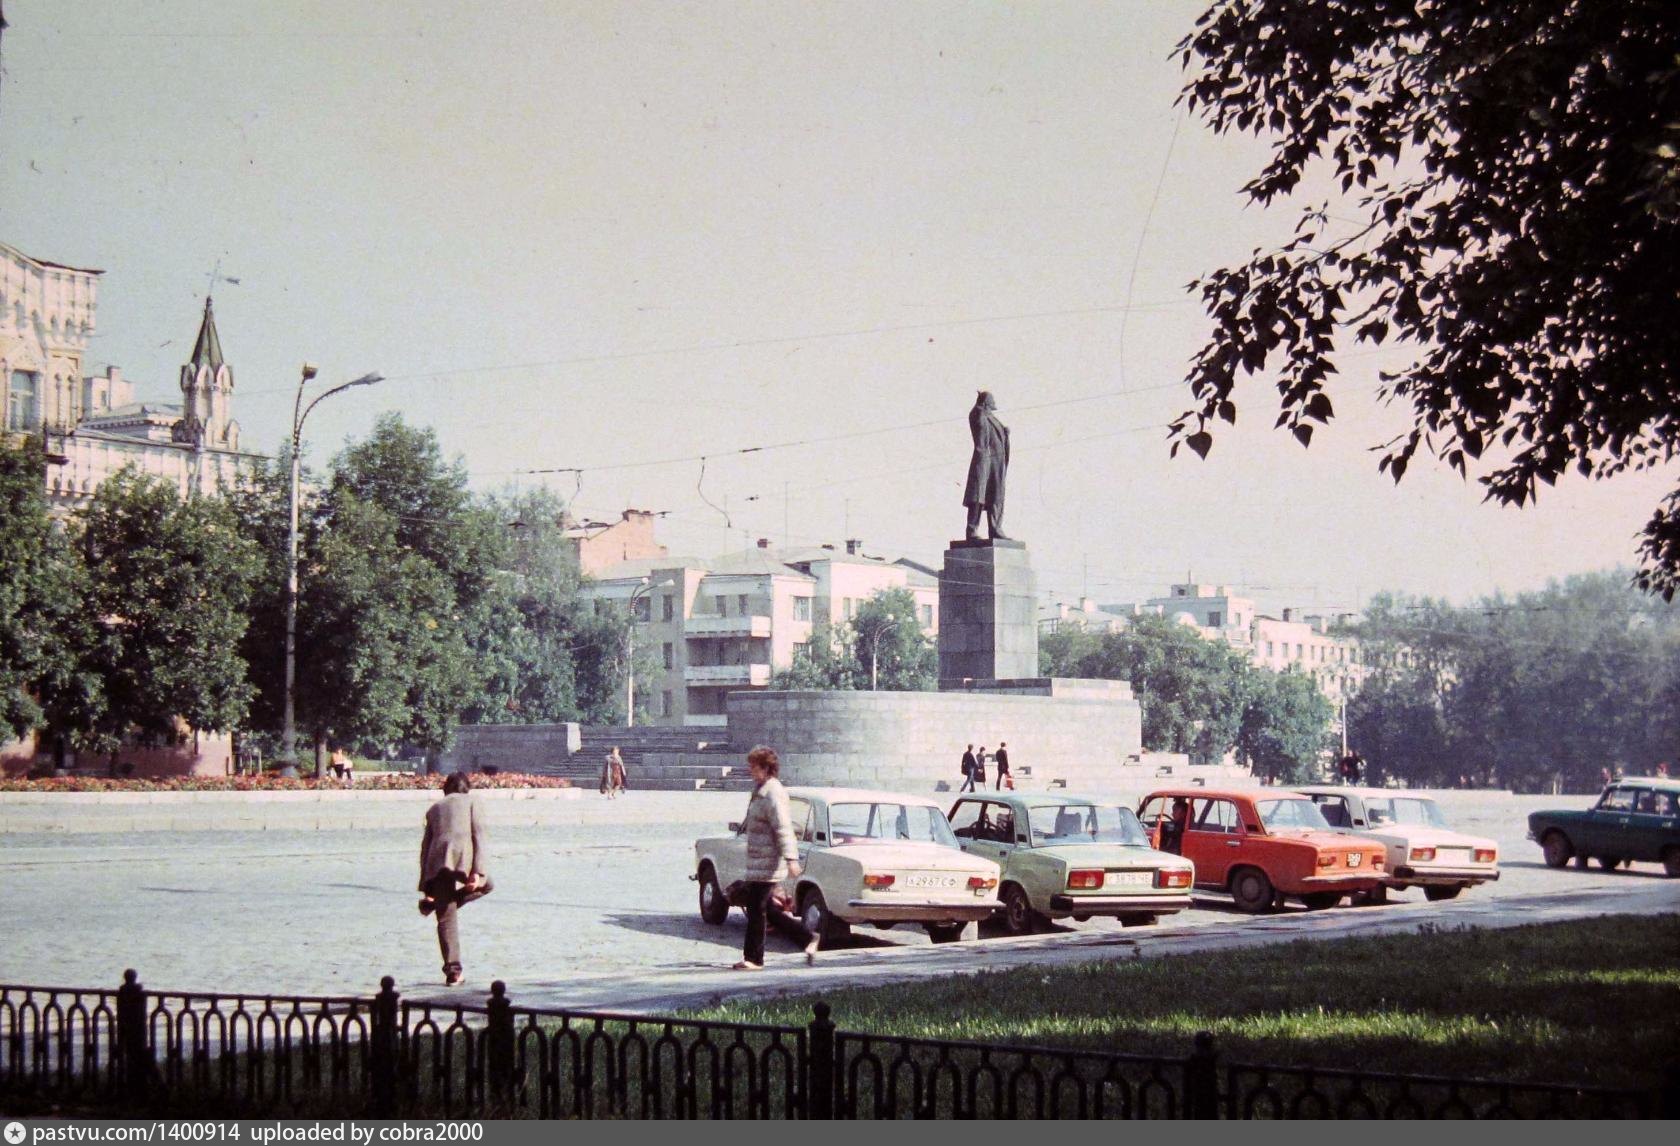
{"x": 772, "y": 856}
{"x": 453, "y": 869}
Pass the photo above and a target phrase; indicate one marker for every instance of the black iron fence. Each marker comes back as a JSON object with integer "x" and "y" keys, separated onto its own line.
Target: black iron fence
{"x": 216, "y": 1055}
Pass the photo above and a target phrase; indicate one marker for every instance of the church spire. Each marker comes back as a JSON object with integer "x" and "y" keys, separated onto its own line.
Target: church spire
{"x": 208, "y": 350}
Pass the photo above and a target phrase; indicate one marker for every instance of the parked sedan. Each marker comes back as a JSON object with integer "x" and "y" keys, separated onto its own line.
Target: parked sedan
{"x": 1066, "y": 855}
{"x": 1262, "y": 846}
{"x": 1635, "y": 819}
{"x": 1422, "y": 850}
{"x": 875, "y": 858}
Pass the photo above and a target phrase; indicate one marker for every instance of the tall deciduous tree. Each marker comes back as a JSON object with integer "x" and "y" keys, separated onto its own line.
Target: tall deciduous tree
{"x": 1511, "y": 174}
{"x": 1285, "y": 727}
{"x": 39, "y": 619}
{"x": 168, "y": 583}
{"x": 889, "y": 645}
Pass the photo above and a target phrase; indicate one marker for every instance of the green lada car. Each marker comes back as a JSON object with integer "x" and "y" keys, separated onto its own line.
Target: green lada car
{"x": 1637, "y": 818}
{"x": 1070, "y": 856}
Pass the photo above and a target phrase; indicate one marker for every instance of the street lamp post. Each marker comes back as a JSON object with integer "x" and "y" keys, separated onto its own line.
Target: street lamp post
{"x": 875, "y": 653}
{"x": 300, "y": 414}
{"x": 636, "y": 594}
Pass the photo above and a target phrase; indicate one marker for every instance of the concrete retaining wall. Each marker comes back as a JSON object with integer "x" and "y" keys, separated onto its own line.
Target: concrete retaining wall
{"x": 1077, "y": 733}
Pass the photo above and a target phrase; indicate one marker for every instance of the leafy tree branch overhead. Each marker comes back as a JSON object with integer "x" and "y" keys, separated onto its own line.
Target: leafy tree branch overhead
{"x": 1515, "y": 172}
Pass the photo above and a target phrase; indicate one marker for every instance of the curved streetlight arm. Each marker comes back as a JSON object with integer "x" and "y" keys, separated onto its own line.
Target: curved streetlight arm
{"x": 875, "y": 651}
{"x": 300, "y": 414}
{"x": 647, "y": 586}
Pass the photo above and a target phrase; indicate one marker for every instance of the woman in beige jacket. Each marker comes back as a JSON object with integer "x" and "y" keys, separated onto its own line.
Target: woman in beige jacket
{"x": 772, "y": 856}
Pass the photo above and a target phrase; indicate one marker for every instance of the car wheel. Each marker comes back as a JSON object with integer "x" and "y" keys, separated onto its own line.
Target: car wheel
{"x": 1082, "y": 919}
{"x": 1436, "y": 893}
{"x": 1018, "y": 913}
{"x": 1671, "y": 863}
{"x": 1251, "y": 889}
{"x": 1138, "y": 920}
{"x": 714, "y": 908}
{"x": 944, "y": 932}
{"x": 1554, "y": 846}
{"x": 818, "y": 920}
{"x": 1610, "y": 863}
{"x": 1321, "y": 900}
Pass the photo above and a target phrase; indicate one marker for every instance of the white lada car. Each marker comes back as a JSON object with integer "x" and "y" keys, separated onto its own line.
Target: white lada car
{"x": 877, "y": 858}
{"x": 1422, "y": 850}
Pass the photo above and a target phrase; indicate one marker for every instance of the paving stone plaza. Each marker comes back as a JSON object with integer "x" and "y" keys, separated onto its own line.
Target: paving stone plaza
{"x": 593, "y": 907}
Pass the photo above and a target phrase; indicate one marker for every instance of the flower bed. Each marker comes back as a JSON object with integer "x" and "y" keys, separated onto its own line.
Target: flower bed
{"x": 374, "y": 781}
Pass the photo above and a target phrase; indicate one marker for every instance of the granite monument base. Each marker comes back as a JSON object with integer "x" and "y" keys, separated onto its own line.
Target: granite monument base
{"x": 988, "y": 613}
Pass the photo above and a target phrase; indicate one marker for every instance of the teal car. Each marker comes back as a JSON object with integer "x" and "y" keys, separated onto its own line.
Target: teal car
{"x": 1067, "y": 856}
{"x": 1637, "y": 818}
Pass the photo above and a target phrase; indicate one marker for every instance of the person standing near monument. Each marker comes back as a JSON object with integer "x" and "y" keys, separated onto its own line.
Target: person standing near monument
{"x": 968, "y": 770}
{"x": 980, "y": 768}
{"x": 452, "y": 866}
{"x": 984, "y": 489}
{"x": 1004, "y": 779}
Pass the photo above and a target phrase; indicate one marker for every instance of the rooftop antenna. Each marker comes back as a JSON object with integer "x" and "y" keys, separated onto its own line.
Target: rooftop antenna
{"x": 216, "y": 276}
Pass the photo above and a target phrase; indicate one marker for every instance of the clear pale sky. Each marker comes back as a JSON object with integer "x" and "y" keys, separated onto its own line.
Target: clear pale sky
{"x": 600, "y": 235}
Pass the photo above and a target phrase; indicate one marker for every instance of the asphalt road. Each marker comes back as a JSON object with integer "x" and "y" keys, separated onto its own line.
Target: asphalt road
{"x": 601, "y": 915}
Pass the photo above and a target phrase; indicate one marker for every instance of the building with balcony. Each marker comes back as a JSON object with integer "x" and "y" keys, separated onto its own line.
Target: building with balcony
{"x": 729, "y": 623}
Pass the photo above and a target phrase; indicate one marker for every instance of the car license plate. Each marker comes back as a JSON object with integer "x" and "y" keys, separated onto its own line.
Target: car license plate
{"x": 1129, "y": 878}
{"x": 1355, "y": 859}
{"x": 930, "y": 881}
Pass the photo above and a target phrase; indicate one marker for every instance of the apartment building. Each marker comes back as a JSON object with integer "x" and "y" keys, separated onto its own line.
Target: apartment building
{"x": 728, "y": 623}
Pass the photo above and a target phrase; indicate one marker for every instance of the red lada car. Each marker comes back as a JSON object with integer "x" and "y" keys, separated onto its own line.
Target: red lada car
{"x": 1262, "y": 846}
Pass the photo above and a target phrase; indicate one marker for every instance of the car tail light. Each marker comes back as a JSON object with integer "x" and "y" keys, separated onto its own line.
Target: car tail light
{"x": 1173, "y": 877}
{"x": 1326, "y": 860}
{"x": 1085, "y": 880}
{"x": 878, "y": 882}
{"x": 1422, "y": 855}
{"x": 981, "y": 883}
{"x": 1486, "y": 855}
{"x": 1377, "y": 859}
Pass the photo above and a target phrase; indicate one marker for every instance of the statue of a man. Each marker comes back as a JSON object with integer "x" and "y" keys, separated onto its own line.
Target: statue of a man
{"x": 986, "y": 469}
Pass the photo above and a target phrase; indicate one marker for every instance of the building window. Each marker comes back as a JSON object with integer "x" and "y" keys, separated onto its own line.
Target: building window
{"x": 670, "y": 606}
{"x": 23, "y": 401}
{"x": 1268, "y": 648}
{"x": 723, "y": 606}
{"x": 667, "y": 657}
{"x": 642, "y": 609}
{"x": 851, "y": 607}
{"x": 1214, "y": 619}
{"x": 665, "y": 700}
{"x": 802, "y": 608}
{"x": 927, "y": 616}
{"x": 741, "y": 604}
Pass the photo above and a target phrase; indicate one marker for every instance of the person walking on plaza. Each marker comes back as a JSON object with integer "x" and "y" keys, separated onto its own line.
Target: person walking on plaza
{"x": 968, "y": 763}
{"x": 612, "y": 775}
{"x": 980, "y": 759}
{"x": 772, "y": 856}
{"x": 1004, "y": 779}
{"x": 453, "y": 869}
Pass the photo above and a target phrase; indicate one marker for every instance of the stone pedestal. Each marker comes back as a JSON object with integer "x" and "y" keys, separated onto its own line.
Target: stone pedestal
{"x": 988, "y": 614}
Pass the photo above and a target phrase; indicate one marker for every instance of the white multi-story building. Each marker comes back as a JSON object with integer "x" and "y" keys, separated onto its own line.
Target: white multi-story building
{"x": 92, "y": 425}
{"x": 729, "y": 623}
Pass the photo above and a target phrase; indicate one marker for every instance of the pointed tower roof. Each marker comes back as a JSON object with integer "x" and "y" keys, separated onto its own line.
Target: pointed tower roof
{"x": 208, "y": 350}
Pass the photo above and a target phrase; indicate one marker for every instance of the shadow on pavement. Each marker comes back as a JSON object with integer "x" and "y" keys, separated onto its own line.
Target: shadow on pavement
{"x": 727, "y": 934}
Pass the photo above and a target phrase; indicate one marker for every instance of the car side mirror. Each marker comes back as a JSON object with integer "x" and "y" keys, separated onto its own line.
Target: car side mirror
{"x": 1255, "y": 828}
{"x": 822, "y": 837}
{"x": 1359, "y": 823}
{"x": 1020, "y": 839}
{"x": 736, "y": 827}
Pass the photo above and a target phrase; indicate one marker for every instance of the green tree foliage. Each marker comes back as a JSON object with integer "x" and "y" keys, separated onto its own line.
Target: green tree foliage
{"x": 39, "y": 621}
{"x": 1285, "y": 727}
{"x": 544, "y": 653}
{"x": 1543, "y": 689}
{"x": 167, "y": 583}
{"x": 885, "y": 634}
{"x": 1193, "y": 691}
{"x": 1507, "y": 178}
{"x": 398, "y": 561}
{"x": 887, "y": 637}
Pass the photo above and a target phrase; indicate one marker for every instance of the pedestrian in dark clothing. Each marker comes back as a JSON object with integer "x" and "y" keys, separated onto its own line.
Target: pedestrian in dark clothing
{"x": 1004, "y": 779}
{"x": 968, "y": 770}
{"x": 980, "y": 768}
{"x": 453, "y": 869}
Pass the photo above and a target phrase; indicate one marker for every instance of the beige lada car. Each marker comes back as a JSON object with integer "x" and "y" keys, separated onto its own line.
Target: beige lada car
{"x": 875, "y": 858}
{"x": 1422, "y": 850}
{"x": 1067, "y": 856}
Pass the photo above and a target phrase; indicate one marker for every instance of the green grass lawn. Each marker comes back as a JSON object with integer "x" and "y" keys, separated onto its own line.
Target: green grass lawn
{"x": 1590, "y": 1002}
